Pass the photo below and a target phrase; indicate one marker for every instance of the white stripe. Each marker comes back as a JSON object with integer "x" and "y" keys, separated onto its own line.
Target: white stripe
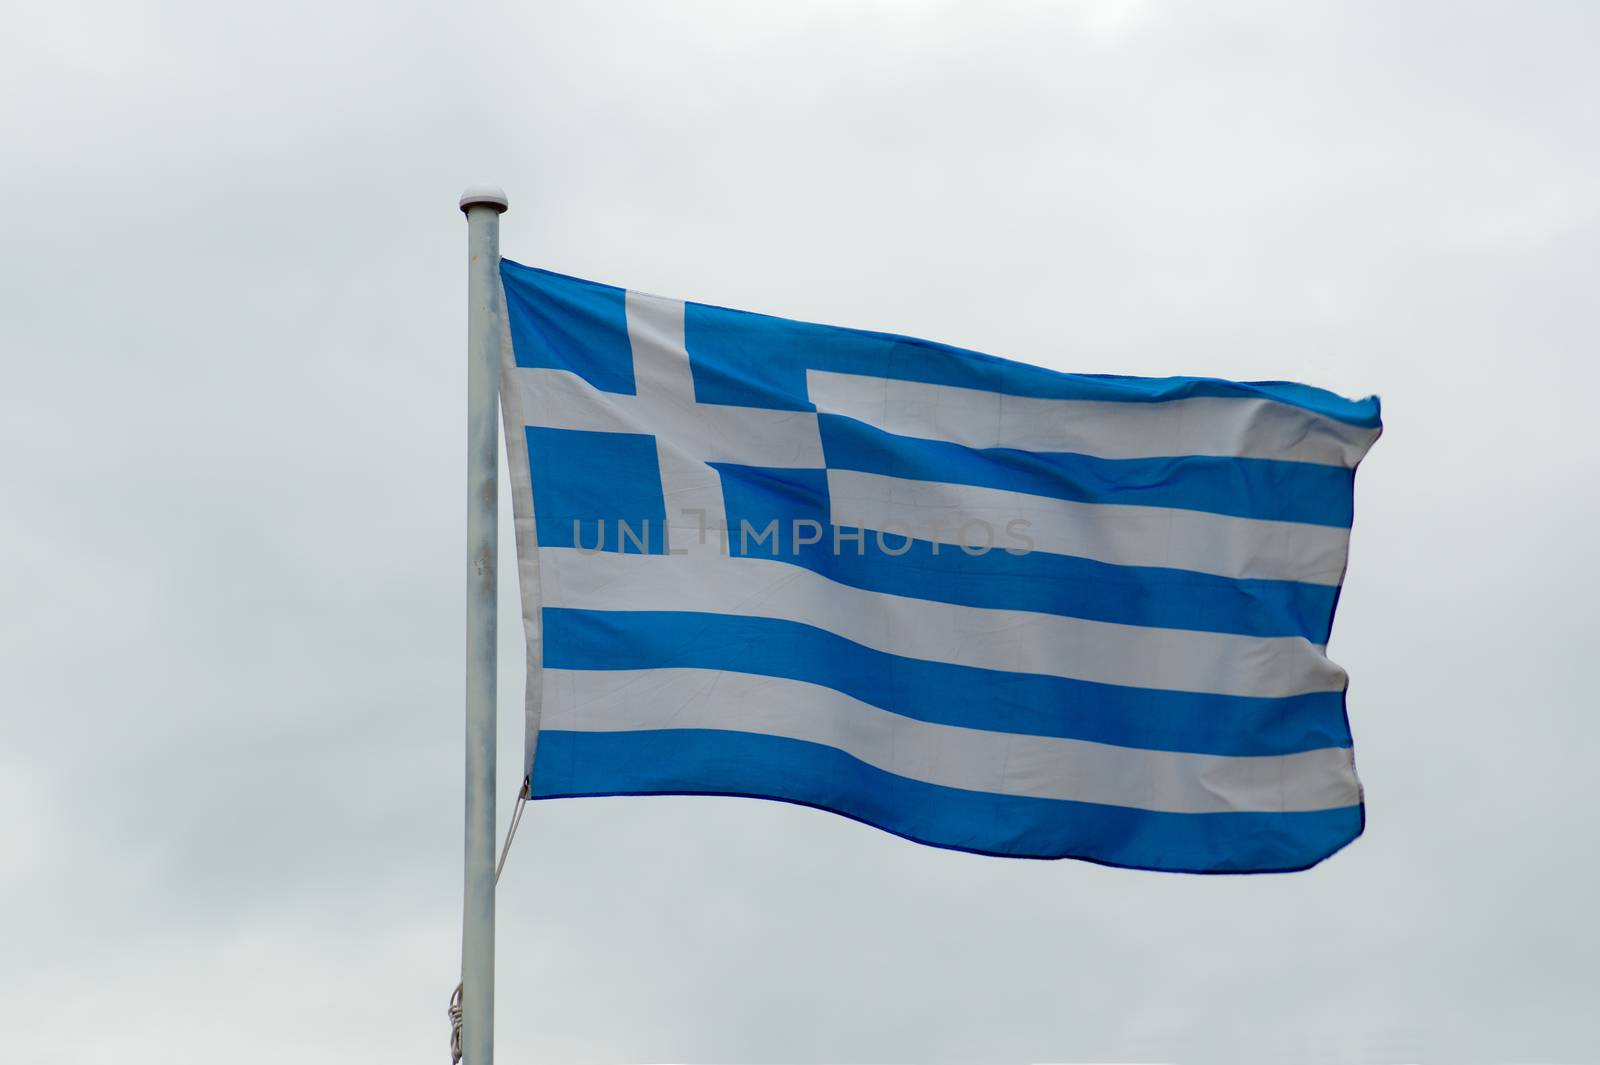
{"x": 749, "y": 436}
{"x": 1044, "y": 767}
{"x": 1204, "y": 425}
{"x": 1106, "y": 532}
{"x": 1009, "y": 640}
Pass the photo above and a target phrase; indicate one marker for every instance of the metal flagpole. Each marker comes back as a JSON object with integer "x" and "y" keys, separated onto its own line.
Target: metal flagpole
{"x": 482, "y": 204}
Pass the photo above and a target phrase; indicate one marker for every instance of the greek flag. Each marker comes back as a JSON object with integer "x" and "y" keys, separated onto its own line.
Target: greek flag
{"x": 976, "y": 603}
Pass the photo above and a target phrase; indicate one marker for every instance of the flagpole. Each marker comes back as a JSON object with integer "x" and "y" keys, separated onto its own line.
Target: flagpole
{"x": 483, "y": 205}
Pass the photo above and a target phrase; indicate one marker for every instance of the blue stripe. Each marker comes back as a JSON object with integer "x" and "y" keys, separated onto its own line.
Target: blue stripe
{"x": 711, "y": 762}
{"x": 1038, "y": 581}
{"x": 940, "y": 692}
{"x": 1240, "y": 487}
{"x": 755, "y": 360}
{"x": 562, "y": 323}
{"x": 597, "y": 490}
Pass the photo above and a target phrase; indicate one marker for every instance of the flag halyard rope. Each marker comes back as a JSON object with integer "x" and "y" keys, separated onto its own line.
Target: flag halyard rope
{"x": 455, "y": 1012}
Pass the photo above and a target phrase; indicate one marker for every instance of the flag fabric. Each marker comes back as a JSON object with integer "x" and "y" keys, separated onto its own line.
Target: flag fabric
{"x": 976, "y": 603}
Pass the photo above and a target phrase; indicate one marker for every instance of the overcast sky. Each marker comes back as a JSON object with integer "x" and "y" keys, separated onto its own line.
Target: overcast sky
{"x": 232, "y": 450}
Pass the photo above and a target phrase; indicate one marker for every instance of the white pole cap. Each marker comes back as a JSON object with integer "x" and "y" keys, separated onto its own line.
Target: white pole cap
{"x": 488, "y": 195}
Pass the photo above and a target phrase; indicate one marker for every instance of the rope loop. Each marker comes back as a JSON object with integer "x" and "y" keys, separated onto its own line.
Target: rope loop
{"x": 455, "y": 1026}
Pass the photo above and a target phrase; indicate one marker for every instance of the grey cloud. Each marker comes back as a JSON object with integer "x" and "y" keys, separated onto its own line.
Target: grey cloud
{"x": 230, "y": 545}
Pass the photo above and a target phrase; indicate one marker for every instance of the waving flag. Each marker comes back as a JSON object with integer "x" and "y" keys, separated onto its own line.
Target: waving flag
{"x": 976, "y": 603}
